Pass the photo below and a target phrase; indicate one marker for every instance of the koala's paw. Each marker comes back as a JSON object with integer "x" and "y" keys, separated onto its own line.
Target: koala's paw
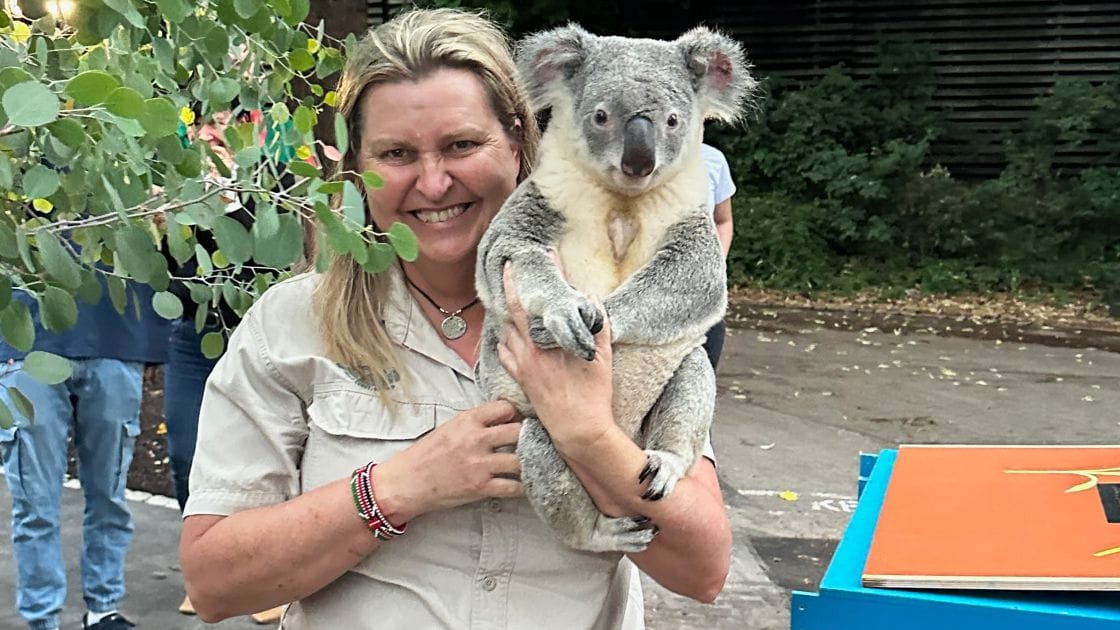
{"x": 626, "y": 534}
{"x": 569, "y": 323}
{"x": 663, "y": 469}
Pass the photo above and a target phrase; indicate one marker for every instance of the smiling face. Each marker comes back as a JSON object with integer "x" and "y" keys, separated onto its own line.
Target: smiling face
{"x": 447, "y": 162}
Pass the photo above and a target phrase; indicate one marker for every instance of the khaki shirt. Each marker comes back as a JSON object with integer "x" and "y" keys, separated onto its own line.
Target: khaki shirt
{"x": 278, "y": 418}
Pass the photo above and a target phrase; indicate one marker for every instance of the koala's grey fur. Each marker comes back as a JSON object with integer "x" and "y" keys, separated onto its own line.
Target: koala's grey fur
{"x": 619, "y": 195}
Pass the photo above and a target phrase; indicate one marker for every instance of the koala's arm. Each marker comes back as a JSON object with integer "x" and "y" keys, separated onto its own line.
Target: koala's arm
{"x": 522, "y": 234}
{"x": 681, "y": 291}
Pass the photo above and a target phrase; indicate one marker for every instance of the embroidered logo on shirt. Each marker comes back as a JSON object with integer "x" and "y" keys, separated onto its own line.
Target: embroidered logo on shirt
{"x": 364, "y": 377}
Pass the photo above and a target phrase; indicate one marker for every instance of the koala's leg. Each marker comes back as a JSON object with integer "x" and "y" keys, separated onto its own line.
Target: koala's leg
{"x": 493, "y": 379}
{"x": 561, "y": 501}
{"x": 678, "y": 424}
{"x": 680, "y": 293}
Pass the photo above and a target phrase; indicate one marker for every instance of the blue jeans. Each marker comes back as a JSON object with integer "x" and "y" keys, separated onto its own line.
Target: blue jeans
{"x": 184, "y": 378}
{"x": 100, "y": 402}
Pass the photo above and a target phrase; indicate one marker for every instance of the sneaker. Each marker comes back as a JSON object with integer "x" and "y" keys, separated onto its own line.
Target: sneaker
{"x": 115, "y": 621}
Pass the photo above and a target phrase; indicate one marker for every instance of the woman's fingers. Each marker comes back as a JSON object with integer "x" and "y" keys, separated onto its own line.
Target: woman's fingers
{"x": 502, "y": 487}
{"x": 503, "y": 435}
{"x": 496, "y": 412}
{"x": 505, "y": 464}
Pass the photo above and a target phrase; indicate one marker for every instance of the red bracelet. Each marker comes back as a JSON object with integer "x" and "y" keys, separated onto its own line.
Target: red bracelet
{"x": 362, "y": 490}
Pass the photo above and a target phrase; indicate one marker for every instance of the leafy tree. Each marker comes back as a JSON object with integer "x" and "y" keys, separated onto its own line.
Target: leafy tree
{"x": 100, "y": 181}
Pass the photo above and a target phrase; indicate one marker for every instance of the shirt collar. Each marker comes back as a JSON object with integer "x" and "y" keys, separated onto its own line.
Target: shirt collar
{"x": 408, "y": 327}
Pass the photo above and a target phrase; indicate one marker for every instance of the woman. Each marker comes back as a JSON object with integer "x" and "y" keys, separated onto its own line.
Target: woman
{"x": 282, "y": 500}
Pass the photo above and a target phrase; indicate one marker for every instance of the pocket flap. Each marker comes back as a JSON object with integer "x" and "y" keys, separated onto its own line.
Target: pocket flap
{"x": 362, "y": 414}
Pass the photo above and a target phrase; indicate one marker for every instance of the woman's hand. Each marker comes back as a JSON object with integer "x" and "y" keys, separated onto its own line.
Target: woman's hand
{"x": 571, "y": 396}
{"x": 457, "y": 463}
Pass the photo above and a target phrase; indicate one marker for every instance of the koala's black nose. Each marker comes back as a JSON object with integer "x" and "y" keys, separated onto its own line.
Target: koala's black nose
{"x": 639, "y": 151}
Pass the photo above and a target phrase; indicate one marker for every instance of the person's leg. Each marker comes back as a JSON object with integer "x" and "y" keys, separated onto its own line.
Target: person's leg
{"x": 34, "y": 467}
{"x": 714, "y": 343}
{"x": 108, "y": 421}
{"x": 184, "y": 377}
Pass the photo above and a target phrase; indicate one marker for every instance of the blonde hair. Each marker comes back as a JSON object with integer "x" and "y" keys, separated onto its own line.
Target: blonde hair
{"x": 349, "y": 301}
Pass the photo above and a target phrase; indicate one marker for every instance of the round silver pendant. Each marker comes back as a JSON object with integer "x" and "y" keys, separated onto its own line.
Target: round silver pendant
{"x": 453, "y": 327}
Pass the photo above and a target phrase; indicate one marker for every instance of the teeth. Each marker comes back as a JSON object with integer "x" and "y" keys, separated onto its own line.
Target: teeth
{"x": 440, "y": 216}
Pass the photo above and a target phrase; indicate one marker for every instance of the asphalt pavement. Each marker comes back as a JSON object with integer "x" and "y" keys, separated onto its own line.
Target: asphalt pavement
{"x": 798, "y": 401}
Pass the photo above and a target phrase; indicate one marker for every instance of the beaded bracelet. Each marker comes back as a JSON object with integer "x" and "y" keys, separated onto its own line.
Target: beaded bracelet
{"x": 362, "y": 490}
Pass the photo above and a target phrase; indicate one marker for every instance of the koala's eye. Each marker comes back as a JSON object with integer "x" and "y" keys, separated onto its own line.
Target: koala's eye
{"x": 600, "y": 117}
{"x": 673, "y": 121}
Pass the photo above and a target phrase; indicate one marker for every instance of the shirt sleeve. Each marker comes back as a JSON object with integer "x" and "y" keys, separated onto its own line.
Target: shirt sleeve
{"x": 708, "y": 451}
{"x": 725, "y": 185}
{"x": 251, "y": 431}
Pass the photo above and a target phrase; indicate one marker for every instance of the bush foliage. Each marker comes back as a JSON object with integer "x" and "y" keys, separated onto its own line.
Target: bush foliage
{"x": 838, "y": 189}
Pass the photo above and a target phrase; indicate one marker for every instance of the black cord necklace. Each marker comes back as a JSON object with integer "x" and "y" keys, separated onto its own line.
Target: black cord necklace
{"x": 452, "y": 325}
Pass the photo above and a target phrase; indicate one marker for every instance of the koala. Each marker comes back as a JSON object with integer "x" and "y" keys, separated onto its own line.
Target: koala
{"x": 619, "y": 197}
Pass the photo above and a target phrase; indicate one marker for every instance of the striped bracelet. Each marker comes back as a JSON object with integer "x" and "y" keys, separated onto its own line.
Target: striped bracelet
{"x": 362, "y": 490}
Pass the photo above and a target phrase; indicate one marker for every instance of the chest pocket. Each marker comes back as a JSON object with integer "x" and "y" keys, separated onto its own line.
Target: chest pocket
{"x": 350, "y": 426}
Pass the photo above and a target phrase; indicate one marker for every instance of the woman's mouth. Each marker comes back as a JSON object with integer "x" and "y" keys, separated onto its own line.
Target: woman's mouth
{"x": 440, "y": 216}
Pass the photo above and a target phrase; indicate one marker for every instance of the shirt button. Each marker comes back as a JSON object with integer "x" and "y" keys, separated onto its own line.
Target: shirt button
{"x": 489, "y": 583}
{"x": 495, "y": 505}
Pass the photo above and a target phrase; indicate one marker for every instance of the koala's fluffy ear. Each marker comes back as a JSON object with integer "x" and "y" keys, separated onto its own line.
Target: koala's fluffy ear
{"x": 720, "y": 73}
{"x": 549, "y": 58}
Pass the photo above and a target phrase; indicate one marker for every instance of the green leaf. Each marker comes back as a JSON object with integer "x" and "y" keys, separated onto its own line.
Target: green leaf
{"x": 91, "y": 87}
{"x": 90, "y": 291}
{"x": 69, "y": 132}
{"x": 341, "y": 139}
{"x": 245, "y": 8}
{"x": 6, "y": 176}
{"x": 118, "y": 294}
{"x": 136, "y": 252}
{"x": 233, "y": 239}
{"x": 267, "y": 221}
{"x": 372, "y": 180}
{"x": 125, "y": 102}
{"x": 17, "y": 327}
{"x": 22, "y": 404}
{"x": 6, "y": 417}
{"x": 174, "y": 10}
{"x": 298, "y": 12}
{"x": 301, "y": 60}
{"x": 160, "y": 117}
{"x": 283, "y": 248}
{"x": 205, "y": 266}
{"x": 222, "y": 91}
{"x": 330, "y": 188}
{"x": 304, "y": 119}
{"x": 5, "y": 292}
{"x": 167, "y": 305}
{"x": 40, "y": 181}
{"x": 380, "y": 258}
{"x": 403, "y": 240}
{"x": 217, "y": 42}
{"x": 59, "y": 310}
{"x": 353, "y": 204}
{"x": 47, "y": 368}
{"x": 57, "y": 261}
{"x": 280, "y": 113}
{"x": 213, "y": 345}
{"x": 30, "y": 104}
{"x": 125, "y": 8}
{"x": 303, "y": 169}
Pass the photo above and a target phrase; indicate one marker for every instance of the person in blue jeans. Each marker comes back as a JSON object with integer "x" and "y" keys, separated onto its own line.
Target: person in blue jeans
{"x": 184, "y": 378}
{"x": 100, "y": 405}
{"x": 720, "y": 189}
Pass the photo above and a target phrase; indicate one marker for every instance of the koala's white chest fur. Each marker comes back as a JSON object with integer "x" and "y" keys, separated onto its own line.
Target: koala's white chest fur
{"x": 608, "y": 236}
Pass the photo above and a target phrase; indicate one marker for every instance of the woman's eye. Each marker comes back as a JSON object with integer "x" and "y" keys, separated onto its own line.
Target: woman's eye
{"x": 463, "y": 145}
{"x": 394, "y": 154}
{"x": 672, "y": 122}
{"x": 600, "y": 117}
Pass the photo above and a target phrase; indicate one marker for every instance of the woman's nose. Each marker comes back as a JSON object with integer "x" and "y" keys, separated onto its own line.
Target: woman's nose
{"x": 433, "y": 180}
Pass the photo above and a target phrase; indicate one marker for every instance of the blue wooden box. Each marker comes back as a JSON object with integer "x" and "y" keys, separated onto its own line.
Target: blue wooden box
{"x": 843, "y": 604}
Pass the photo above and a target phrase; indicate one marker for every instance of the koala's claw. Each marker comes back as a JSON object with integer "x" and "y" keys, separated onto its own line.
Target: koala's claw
{"x": 540, "y": 334}
{"x": 570, "y": 324}
{"x": 626, "y": 534}
{"x": 663, "y": 469}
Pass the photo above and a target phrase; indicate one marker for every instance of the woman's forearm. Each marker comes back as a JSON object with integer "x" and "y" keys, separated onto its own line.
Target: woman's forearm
{"x": 692, "y": 552}
{"x": 267, "y": 556}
